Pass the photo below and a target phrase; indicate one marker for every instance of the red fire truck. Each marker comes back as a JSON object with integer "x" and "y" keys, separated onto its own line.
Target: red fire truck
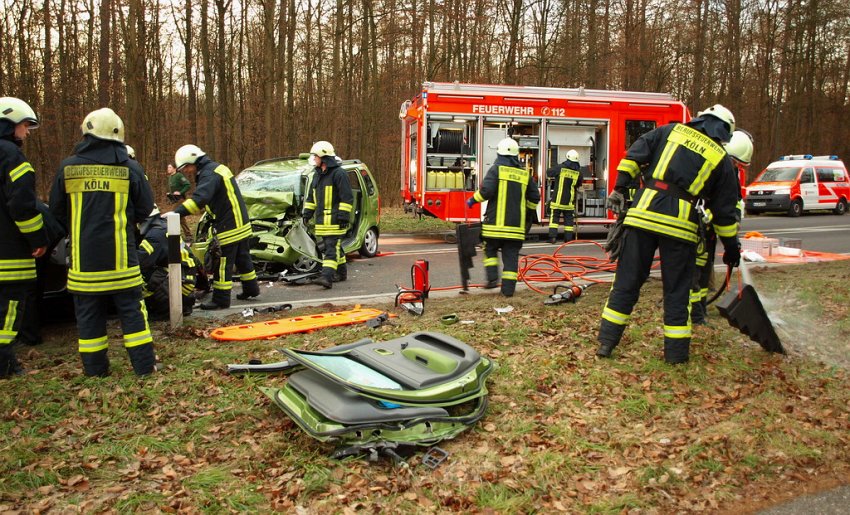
{"x": 450, "y": 132}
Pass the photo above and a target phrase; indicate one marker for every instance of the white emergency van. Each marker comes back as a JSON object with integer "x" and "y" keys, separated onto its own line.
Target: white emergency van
{"x": 798, "y": 183}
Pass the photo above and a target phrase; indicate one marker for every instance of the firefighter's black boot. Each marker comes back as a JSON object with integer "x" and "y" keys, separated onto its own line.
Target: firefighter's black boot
{"x": 143, "y": 359}
{"x": 9, "y": 365}
{"x": 492, "y": 277}
{"x": 553, "y": 235}
{"x": 508, "y": 287}
{"x": 698, "y": 313}
{"x": 569, "y": 236}
{"x": 341, "y": 274}
{"x": 608, "y": 338}
{"x": 95, "y": 364}
{"x": 326, "y": 280}
{"x": 250, "y": 289}
{"x": 220, "y": 300}
{"x": 677, "y": 350}
{"x": 188, "y": 303}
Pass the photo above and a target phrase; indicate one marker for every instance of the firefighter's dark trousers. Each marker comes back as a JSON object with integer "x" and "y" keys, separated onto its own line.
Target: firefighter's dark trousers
{"x": 13, "y": 297}
{"x": 702, "y": 277}
{"x": 568, "y": 216}
{"x": 510, "y": 262}
{"x": 91, "y": 311}
{"x": 677, "y": 269}
{"x": 333, "y": 257}
{"x": 237, "y": 255}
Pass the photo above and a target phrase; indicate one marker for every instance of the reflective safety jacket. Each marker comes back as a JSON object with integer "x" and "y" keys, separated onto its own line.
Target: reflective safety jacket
{"x": 568, "y": 180}
{"x": 21, "y": 224}
{"x": 684, "y": 165}
{"x": 329, "y": 199}
{"x": 511, "y": 192}
{"x": 99, "y": 196}
{"x": 217, "y": 192}
{"x": 153, "y": 254}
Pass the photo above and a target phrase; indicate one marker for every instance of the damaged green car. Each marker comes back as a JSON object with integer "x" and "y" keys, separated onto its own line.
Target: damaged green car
{"x": 274, "y": 191}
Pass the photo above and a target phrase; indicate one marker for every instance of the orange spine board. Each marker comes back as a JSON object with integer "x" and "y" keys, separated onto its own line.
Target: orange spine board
{"x": 302, "y": 324}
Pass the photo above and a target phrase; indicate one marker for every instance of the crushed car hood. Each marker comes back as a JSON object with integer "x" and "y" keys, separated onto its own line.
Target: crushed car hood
{"x": 267, "y": 204}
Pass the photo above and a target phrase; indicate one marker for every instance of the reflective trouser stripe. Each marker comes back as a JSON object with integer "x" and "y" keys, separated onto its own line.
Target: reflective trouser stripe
{"x": 615, "y": 317}
{"x": 221, "y": 282}
{"x": 93, "y": 344}
{"x": 677, "y": 331}
{"x": 136, "y": 339}
{"x": 491, "y": 261}
{"x": 8, "y": 333}
{"x": 512, "y": 276}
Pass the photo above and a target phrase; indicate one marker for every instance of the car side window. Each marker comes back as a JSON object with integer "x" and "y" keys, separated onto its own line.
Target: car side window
{"x": 807, "y": 176}
{"x": 352, "y": 179}
{"x": 370, "y": 187}
{"x": 825, "y": 175}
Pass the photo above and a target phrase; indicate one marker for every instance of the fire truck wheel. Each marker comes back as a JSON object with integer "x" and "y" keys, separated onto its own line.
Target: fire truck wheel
{"x": 370, "y": 243}
{"x": 796, "y": 208}
{"x": 841, "y": 208}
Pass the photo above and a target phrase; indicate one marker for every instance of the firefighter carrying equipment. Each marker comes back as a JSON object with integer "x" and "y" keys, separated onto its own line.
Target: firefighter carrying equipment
{"x": 301, "y": 324}
{"x": 372, "y": 397}
{"x": 744, "y": 311}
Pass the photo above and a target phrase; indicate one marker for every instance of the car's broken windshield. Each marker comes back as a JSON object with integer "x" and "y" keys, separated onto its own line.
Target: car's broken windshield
{"x": 250, "y": 180}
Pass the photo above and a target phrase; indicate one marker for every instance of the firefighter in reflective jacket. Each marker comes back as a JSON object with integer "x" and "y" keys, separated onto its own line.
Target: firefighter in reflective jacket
{"x": 217, "y": 191}
{"x": 568, "y": 179}
{"x": 740, "y": 149}
{"x": 682, "y": 164}
{"x": 21, "y": 228}
{"x": 329, "y": 202}
{"x": 511, "y": 193}
{"x": 153, "y": 261}
{"x": 99, "y": 196}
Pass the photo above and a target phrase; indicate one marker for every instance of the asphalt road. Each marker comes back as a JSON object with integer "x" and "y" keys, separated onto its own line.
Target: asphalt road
{"x": 379, "y": 278}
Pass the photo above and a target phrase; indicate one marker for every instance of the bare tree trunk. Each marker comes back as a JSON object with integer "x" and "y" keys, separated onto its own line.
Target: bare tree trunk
{"x": 209, "y": 81}
{"x": 103, "y": 89}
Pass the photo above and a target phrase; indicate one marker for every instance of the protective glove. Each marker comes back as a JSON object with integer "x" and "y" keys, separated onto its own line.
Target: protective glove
{"x": 616, "y": 202}
{"x": 614, "y": 243}
{"x": 470, "y": 202}
{"x": 732, "y": 253}
{"x": 342, "y": 218}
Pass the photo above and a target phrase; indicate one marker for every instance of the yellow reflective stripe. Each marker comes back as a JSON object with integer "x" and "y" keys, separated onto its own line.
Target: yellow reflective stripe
{"x": 136, "y": 339}
{"x": 726, "y": 231}
{"x": 512, "y": 276}
{"x": 309, "y": 206}
{"x": 76, "y": 217}
{"x": 121, "y": 257}
{"x": 147, "y": 247}
{"x": 663, "y": 162}
{"x": 329, "y": 263}
{"x": 33, "y": 224}
{"x": 344, "y": 206}
{"x": 629, "y": 166}
{"x": 222, "y": 283}
{"x": 660, "y": 224}
{"x": 7, "y": 337}
{"x": 93, "y": 344}
{"x": 250, "y": 276}
{"x": 19, "y": 275}
{"x": 329, "y": 230}
{"x": 104, "y": 274}
{"x": 694, "y": 296}
{"x": 12, "y": 264}
{"x": 509, "y": 173}
{"x": 186, "y": 257}
{"x": 11, "y": 315}
{"x": 677, "y": 331}
{"x": 697, "y": 142}
{"x": 327, "y": 206}
{"x": 107, "y": 286}
{"x": 144, "y": 309}
{"x": 20, "y": 170}
{"x": 192, "y": 207}
{"x": 615, "y": 317}
{"x": 234, "y": 235}
{"x": 503, "y": 233}
{"x": 226, "y": 174}
{"x": 491, "y": 261}
{"x": 478, "y": 196}
{"x": 530, "y": 205}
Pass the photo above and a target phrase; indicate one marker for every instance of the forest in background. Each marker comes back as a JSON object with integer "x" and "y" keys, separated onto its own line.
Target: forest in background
{"x": 252, "y": 79}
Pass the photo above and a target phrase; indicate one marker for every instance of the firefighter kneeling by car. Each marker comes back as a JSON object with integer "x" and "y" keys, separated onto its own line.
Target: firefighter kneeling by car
{"x": 153, "y": 262}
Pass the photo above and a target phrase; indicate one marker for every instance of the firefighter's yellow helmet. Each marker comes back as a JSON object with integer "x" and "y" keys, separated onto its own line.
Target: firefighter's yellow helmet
{"x": 740, "y": 146}
{"x": 721, "y": 113}
{"x": 16, "y": 111}
{"x": 508, "y": 147}
{"x": 322, "y": 149}
{"x": 187, "y": 155}
{"x": 104, "y": 124}
{"x": 572, "y": 155}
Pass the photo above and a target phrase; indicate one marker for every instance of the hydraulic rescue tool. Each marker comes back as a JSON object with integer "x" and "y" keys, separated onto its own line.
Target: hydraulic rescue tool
{"x": 570, "y": 294}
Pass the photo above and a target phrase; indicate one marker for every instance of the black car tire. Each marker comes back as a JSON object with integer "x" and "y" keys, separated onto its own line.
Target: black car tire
{"x": 305, "y": 265}
{"x": 796, "y": 208}
{"x": 370, "y": 243}
{"x": 841, "y": 208}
